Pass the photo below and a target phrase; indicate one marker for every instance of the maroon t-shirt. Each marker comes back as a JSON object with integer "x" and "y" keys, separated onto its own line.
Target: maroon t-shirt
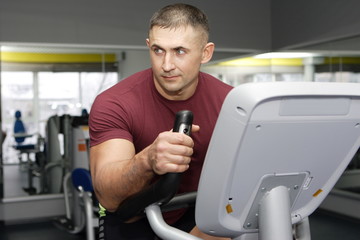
{"x": 134, "y": 110}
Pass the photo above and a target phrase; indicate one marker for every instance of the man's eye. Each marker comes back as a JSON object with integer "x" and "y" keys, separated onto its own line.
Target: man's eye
{"x": 158, "y": 50}
{"x": 180, "y": 51}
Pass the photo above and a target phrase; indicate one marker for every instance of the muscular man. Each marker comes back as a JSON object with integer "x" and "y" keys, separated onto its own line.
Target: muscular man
{"x": 130, "y": 123}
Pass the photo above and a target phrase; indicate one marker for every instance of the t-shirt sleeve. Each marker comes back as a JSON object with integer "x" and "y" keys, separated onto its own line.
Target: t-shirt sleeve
{"x": 108, "y": 120}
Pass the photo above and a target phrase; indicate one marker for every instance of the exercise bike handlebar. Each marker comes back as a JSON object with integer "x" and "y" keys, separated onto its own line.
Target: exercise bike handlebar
{"x": 165, "y": 188}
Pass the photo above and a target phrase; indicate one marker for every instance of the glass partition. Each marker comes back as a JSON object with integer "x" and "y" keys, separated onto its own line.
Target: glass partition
{"x": 41, "y": 83}
{"x": 314, "y": 66}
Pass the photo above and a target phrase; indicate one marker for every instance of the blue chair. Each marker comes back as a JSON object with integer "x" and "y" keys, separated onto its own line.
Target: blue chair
{"x": 81, "y": 178}
{"x": 20, "y": 136}
{"x": 84, "y": 203}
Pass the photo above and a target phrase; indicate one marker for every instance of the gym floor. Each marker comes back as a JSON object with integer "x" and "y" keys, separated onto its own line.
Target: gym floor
{"x": 324, "y": 226}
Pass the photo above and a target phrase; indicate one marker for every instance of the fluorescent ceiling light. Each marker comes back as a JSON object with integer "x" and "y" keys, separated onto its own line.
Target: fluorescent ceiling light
{"x": 285, "y": 55}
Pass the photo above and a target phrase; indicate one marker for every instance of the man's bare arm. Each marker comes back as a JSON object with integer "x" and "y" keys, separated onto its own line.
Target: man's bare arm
{"x": 117, "y": 172}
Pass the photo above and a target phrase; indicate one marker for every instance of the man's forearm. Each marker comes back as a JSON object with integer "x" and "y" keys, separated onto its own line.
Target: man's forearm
{"x": 117, "y": 180}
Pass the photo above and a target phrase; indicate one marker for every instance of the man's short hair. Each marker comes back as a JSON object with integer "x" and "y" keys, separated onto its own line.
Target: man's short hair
{"x": 180, "y": 14}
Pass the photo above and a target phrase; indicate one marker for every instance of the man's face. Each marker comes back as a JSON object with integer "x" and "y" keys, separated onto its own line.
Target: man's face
{"x": 176, "y": 56}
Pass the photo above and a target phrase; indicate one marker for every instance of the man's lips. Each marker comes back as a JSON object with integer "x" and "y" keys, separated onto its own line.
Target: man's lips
{"x": 169, "y": 77}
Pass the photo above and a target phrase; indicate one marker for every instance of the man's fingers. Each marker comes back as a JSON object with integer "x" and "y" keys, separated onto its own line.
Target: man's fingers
{"x": 176, "y": 138}
{"x": 195, "y": 128}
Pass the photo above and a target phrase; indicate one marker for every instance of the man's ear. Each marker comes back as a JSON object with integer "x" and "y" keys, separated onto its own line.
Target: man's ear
{"x": 147, "y": 42}
{"x": 208, "y": 52}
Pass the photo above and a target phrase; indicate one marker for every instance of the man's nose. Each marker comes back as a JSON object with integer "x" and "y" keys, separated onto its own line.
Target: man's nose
{"x": 168, "y": 62}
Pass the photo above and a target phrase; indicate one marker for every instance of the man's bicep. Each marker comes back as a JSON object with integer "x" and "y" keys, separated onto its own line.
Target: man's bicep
{"x": 110, "y": 151}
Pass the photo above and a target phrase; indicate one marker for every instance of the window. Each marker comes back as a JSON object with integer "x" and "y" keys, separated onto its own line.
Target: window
{"x": 40, "y": 95}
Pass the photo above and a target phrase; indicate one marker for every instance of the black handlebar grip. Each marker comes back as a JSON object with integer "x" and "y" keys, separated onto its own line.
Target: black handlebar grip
{"x": 183, "y": 122}
{"x": 165, "y": 188}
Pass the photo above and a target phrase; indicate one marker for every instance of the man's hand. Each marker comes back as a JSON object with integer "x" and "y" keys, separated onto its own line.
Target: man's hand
{"x": 171, "y": 152}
